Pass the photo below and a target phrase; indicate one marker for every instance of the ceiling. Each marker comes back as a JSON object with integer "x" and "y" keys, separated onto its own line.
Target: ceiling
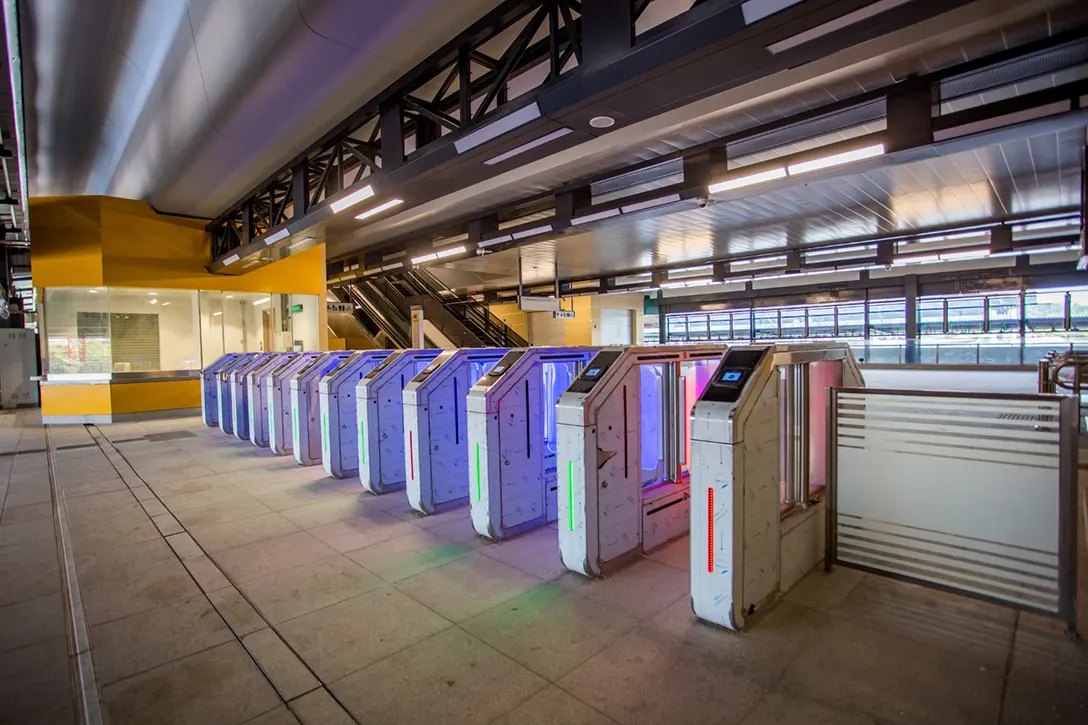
{"x": 1007, "y": 179}
{"x": 971, "y": 32}
{"x": 191, "y": 103}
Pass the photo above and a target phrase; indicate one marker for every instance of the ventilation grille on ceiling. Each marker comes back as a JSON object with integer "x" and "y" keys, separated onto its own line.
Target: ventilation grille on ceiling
{"x": 170, "y": 435}
{"x": 821, "y": 126}
{"x": 1014, "y": 71}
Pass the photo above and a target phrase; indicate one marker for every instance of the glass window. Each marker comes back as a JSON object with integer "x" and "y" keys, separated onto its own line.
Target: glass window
{"x": 887, "y": 318}
{"x": 852, "y": 320}
{"x": 651, "y": 332}
{"x": 677, "y": 328}
{"x": 931, "y": 316}
{"x": 742, "y": 325}
{"x": 257, "y": 322}
{"x": 720, "y": 328}
{"x": 766, "y": 325}
{"x": 1044, "y": 311}
{"x": 77, "y": 330}
{"x": 698, "y": 327}
{"x": 793, "y": 322}
{"x": 1078, "y": 310}
{"x": 1004, "y": 313}
{"x": 821, "y": 321}
{"x": 965, "y": 314}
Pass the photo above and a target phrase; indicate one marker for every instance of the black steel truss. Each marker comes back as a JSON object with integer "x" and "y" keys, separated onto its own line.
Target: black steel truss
{"x": 457, "y": 88}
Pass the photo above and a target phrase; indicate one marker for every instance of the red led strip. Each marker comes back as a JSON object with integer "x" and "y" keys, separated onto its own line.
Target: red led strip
{"x": 710, "y": 530}
{"x": 411, "y": 457}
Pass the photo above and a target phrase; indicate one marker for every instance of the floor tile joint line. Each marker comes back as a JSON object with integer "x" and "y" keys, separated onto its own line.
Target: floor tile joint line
{"x": 90, "y": 694}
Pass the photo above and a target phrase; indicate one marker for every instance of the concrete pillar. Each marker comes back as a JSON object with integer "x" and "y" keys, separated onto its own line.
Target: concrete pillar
{"x": 418, "y": 341}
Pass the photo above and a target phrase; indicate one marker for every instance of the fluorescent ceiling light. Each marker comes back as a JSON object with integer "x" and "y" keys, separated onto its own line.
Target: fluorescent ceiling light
{"x": 496, "y": 240}
{"x": 152, "y": 294}
{"x": 230, "y": 260}
{"x": 164, "y": 304}
{"x": 843, "y": 21}
{"x": 216, "y": 314}
{"x": 846, "y": 157}
{"x": 858, "y": 249}
{"x": 594, "y": 217}
{"x": 756, "y": 10}
{"x": 277, "y": 236}
{"x": 154, "y": 301}
{"x": 369, "y": 272}
{"x": 443, "y": 253}
{"x": 650, "y": 203}
{"x": 959, "y": 256}
{"x": 688, "y": 283}
{"x": 1049, "y": 224}
{"x": 263, "y": 300}
{"x": 528, "y": 146}
{"x": 758, "y": 260}
{"x": 742, "y": 181}
{"x": 497, "y": 128}
{"x": 93, "y": 292}
{"x": 394, "y": 265}
{"x": 927, "y": 259}
{"x": 380, "y": 208}
{"x": 532, "y": 232}
{"x": 352, "y": 199}
{"x": 425, "y": 258}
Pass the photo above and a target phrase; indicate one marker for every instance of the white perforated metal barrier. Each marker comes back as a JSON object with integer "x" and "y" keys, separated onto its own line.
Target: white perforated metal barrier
{"x": 973, "y": 493}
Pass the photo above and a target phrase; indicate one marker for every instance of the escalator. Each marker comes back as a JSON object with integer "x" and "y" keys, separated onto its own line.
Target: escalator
{"x": 383, "y": 320}
{"x": 450, "y": 312}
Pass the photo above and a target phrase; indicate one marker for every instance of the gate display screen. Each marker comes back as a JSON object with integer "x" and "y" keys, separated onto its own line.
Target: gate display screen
{"x": 733, "y": 373}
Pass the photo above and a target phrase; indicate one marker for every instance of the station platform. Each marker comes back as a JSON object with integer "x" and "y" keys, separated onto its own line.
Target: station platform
{"x": 216, "y": 582}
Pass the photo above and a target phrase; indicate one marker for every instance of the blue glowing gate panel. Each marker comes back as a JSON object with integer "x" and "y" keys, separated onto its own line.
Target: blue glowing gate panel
{"x": 239, "y": 387}
{"x": 380, "y": 410}
{"x": 257, "y": 384}
{"x": 226, "y": 391}
{"x": 278, "y": 395}
{"x": 436, "y": 427}
{"x": 512, "y": 436}
{"x": 305, "y": 408}
{"x": 209, "y": 388}
{"x": 339, "y": 433}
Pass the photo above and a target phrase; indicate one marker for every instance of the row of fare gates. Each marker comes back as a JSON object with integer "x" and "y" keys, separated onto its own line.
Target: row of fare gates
{"x": 625, "y": 448}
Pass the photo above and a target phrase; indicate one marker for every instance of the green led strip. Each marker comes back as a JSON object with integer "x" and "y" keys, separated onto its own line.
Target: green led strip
{"x": 324, "y": 432}
{"x": 478, "y": 491}
{"x": 570, "y": 491}
{"x": 294, "y": 420}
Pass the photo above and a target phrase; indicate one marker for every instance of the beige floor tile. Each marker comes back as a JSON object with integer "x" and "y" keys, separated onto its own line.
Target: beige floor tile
{"x": 122, "y": 560}
{"x": 207, "y": 575}
{"x": 825, "y": 590}
{"x": 34, "y": 678}
{"x": 184, "y": 546}
{"x": 174, "y": 473}
{"x": 288, "y": 674}
{"x": 108, "y": 500}
{"x": 125, "y": 528}
{"x": 641, "y": 589}
{"x": 223, "y": 495}
{"x": 164, "y": 489}
{"x": 857, "y": 667}
{"x": 27, "y": 553}
{"x": 203, "y": 516}
{"x": 782, "y": 706}
{"x": 30, "y": 582}
{"x": 329, "y": 512}
{"x": 279, "y": 716}
{"x": 300, "y": 495}
{"x": 550, "y": 630}
{"x": 136, "y": 591}
{"x": 271, "y": 555}
{"x": 239, "y": 614}
{"x": 768, "y": 645}
{"x": 17, "y": 533}
{"x": 232, "y": 534}
{"x": 302, "y": 589}
{"x": 31, "y": 621}
{"x": 352, "y": 634}
{"x": 536, "y": 553}
{"x": 154, "y": 637}
{"x": 460, "y": 530}
{"x": 20, "y": 514}
{"x": 450, "y": 678}
{"x": 319, "y": 708}
{"x": 641, "y": 681}
{"x": 675, "y": 553}
{"x": 407, "y": 556}
{"x": 25, "y": 495}
{"x": 218, "y": 685}
{"x": 371, "y": 528}
{"x": 84, "y": 487}
{"x": 468, "y": 586}
{"x": 552, "y": 706}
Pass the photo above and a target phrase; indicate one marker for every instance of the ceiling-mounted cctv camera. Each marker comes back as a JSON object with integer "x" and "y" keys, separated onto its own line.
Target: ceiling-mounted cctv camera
{"x": 703, "y": 201}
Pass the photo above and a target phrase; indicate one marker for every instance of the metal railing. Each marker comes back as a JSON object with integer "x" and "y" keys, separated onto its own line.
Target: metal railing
{"x": 474, "y": 315}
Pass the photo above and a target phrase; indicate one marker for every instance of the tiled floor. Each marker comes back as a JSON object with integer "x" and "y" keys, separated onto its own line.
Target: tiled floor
{"x": 225, "y": 585}
{"x": 35, "y": 662}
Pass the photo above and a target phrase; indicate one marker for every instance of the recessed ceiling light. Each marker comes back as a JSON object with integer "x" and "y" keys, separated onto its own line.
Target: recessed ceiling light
{"x": 602, "y": 122}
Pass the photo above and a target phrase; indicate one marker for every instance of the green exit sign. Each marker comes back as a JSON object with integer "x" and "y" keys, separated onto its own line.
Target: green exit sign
{"x": 296, "y": 308}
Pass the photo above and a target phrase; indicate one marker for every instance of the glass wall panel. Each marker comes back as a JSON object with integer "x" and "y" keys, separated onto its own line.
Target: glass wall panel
{"x": 77, "y": 330}
{"x": 1078, "y": 310}
{"x": 766, "y": 322}
{"x": 887, "y": 318}
{"x": 931, "y": 316}
{"x": 720, "y": 329}
{"x": 1004, "y": 313}
{"x": 153, "y": 330}
{"x": 676, "y": 328}
{"x": 851, "y": 320}
{"x": 793, "y": 322}
{"x": 821, "y": 321}
{"x": 965, "y": 315}
{"x": 698, "y": 328}
{"x": 742, "y": 325}
{"x": 1044, "y": 311}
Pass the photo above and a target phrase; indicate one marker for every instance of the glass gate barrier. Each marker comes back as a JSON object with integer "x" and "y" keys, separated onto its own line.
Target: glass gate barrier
{"x": 209, "y": 388}
{"x": 258, "y": 397}
{"x": 305, "y": 407}
{"x": 339, "y": 439}
{"x": 278, "y": 393}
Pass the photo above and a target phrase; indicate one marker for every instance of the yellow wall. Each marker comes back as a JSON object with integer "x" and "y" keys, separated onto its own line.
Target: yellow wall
{"x": 512, "y": 316}
{"x": 76, "y": 400}
{"x": 90, "y": 241}
{"x": 120, "y": 398}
